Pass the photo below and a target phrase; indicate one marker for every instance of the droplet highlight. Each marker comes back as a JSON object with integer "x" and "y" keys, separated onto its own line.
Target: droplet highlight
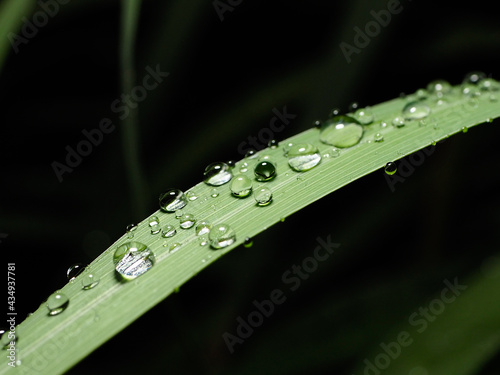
{"x": 168, "y": 231}
{"x": 74, "y": 270}
{"x": 203, "y": 227}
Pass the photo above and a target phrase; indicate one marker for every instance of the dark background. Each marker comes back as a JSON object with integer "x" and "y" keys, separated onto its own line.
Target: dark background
{"x": 225, "y": 79}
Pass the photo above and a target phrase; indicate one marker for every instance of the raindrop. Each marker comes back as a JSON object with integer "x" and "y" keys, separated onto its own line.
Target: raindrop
{"x": 390, "y": 168}
{"x": 341, "y": 131}
{"x": 378, "y": 137}
{"x": 473, "y": 78}
{"x": 191, "y": 195}
{"x": 221, "y": 235}
{"x": 74, "y": 271}
{"x": 217, "y": 174}
{"x": 334, "y": 112}
{"x": 489, "y": 84}
{"x": 172, "y": 200}
{"x": 416, "y": 111}
{"x": 398, "y": 122}
{"x": 57, "y": 303}
{"x": 243, "y": 167}
{"x": 464, "y": 129}
{"x": 273, "y": 143}
{"x": 203, "y": 228}
{"x": 203, "y": 241}
{"x": 303, "y": 156}
{"x": 130, "y": 230}
{"x": 231, "y": 163}
{"x": 317, "y": 124}
{"x": 383, "y": 124}
{"x": 241, "y": 186}
{"x": 250, "y": 154}
{"x": 470, "y": 90}
{"x": 186, "y": 221}
{"x": 353, "y": 106}
{"x": 265, "y": 171}
{"x": 168, "y": 231}
{"x": 179, "y": 213}
{"x": 421, "y": 94}
{"x": 154, "y": 224}
{"x": 364, "y": 116}
{"x": 90, "y": 280}
{"x": 248, "y": 242}
{"x": 263, "y": 196}
{"x": 214, "y": 193}
{"x": 133, "y": 259}
{"x": 439, "y": 87}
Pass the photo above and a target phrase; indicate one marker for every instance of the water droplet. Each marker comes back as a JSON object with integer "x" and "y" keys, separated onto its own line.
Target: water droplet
{"x": 179, "y": 213}
{"x": 490, "y": 120}
{"x": 6, "y": 337}
{"x": 383, "y": 124}
{"x": 250, "y": 154}
{"x": 74, "y": 271}
{"x": 421, "y": 94}
{"x": 172, "y": 200}
{"x": 248, "y": 242}
{"x": 57, "y": 303}
{"x": 493, "y": 98}
{"x": 241, "y": 186}
{"x": 265, "y": 171}
{"x": 473, "y": 78}
{"x": 174, "y": 247}
{"x": 133, "y": 259}
{"x": 231, "y": 163}
{"x": 398, "y": 122}
{"x": 489, "y": 85}
{"x": 186, "y": 221}
{"x": 378, "y": 137}
{"x": 203, "y": 241}
{"x": 221, "y": 235}
{"x": 464, "y": 129}
{"x": 273, "y": 143}
{"x": 317, "y": 124}
{"x": 154, "y": 224}
{"x": 416, "y": 111}
{"x": 341, "y": 131}
{"x": 168, "y": 231}
{"x": 214, "y": 193}
{"x": 334, "y": 112}
{"x": 335, "y": 152}
{"x": 243, "y": 167}
{"x": 303, "y": 156}
{"x": 203, "y": 228}
{"x": 130, "y": 230}
{"x": 470, "y": 90}
{"x": 390, "y": 168}
{"x": 364, "y": 116}
{"x": 90, "y": 280}
{"x": 217, "y": 174}
{"x": 287, "y": 148}
{"x": 353, "y": 106}
{"x": 439, "y": 87}
{"x": 263, "y": 196}
{"x": 191, "y": 195}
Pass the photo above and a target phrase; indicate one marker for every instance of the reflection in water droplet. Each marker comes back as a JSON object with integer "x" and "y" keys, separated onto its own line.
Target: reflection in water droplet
{"x": 130, "y": 230}
{"x": 186, "y": 221}
{"x": 378, "y": 137}
{"x": 263, "y": 196}
{"x": 172, "y": 200}
{"x": 191, "y": 195}
{"x": 353, "y": 106}
{"x": 168, "y": 231}
{"x": 89, "y": 281}
{"x": 248, "y": 242}
{"x": 416, "y": 111}
{"x": 221, "y": 235}
{"x": 341, "y": 131}
{"x": 74, "y": 271}
{"x": 217, "y": 174}
{"x": 241, "y": 186}
{"x": 203, "y": 227}
{"x": 265, "y": 171}
{"x": 303, "y": 157}
{"x": 133, "y": 259}
{"x": 398, "y": 122}
{"x": 390, "y": 168}
{"x": 364, "y": 116}
{"x": 179, "y": 213}
{"x": 57, "y": 303}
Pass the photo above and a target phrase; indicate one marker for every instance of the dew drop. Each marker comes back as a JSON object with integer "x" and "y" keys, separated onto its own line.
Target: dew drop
{"x": 273, "y": 143}
{"x": 154, "y": 224}
{"x": 364, "y": 116}
{"x": 250, "y": 154}
{"x": 186, "y": 221}
{"x": 203, "y": 227}
{"x": 231, "y": 163}
{"x": 89, "y": 281}
{"x": 168, "y": 231}
{"x": 378, "y": 137}
{"x": 265, "y": 171}
{"x": 464, "y": 129}
{"x": 353, "y": 106}
{"x": 174, "y": 247}
{"x": 74, "y": 271}
{"x": 341, "y": 131}
{"x": 303, "y": 157}
{"x": 130, "y": 230}
{"x": 473, "y": 78}
{"x": 179, "y": 213}
{"x": 57, "y": 303}
{"x": 489, "y": 85}
{"x": 335, "y": 152}
{"x": 203, "y": 241}
{"x": 191, "y": 195}
{"x": 383, "y": 124}
{"x": 241, "y": 186}
{"x": 214, "y": 193}
{"x": 470, "y": 90}
{"x": 133, "y": 259}
{"x": 263, "y": 196}
{"x": 334, "y": 112}
{"x": 390, "y": 168}
{"x": 416, "y": 111}
{"x": 248, "y": 242}
{"x": 221, "y": 235}
{"x": 439, "y": 87}
{"x": 217, "y": 174}
{"x": 172, "y": 200}
{"x": 243, "y": 167}
{"x": 398, "y": 122}
{"x": 317, "y": 124}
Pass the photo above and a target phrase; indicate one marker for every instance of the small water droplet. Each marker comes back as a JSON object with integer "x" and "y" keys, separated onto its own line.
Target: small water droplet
{"x": 489, "y": 85}
{"x": 317, "y": 124}
{"x": 154, "y": 224}
{"x": 439, "y": 87}
{"x": 421, "y": 94}
{"x": 241, "y": 186}
{"x": 473, "y": 77}
{"x": 131, "y": 227}
{"x": 263, "y": 196}
{"x": 178, "y": 213}
{"x": 470, "y": 90}
{"x": 353, "y": 106}
{"x": 89, "y": 281}
{"x": 378, "y": 137}
{"x": 168, "y": 231}
{"x": 383, "y": 124}
{"x": 57, "y": 303}
{"x": 433, "y": 143}
{"x": 490, "y": 120}
{"x": 493, "y": 98}
{"x": 174, "y": 247}
{"x": 341, "y": 131}
{"x": 243, "y": 167}
{"x": 248, "y": 242}
{"x": 398, "y": 122}
{"x": 74, "y": 270}
{"x": 191, "y": 195}
{"x": 214, "y": 193}
{"x": 364, "y": 116}
{"x": 231, "y": 163}
{"x": 416, "y": 111}
{"x": 250, "y": 154}
{"x": 186, "y": 221}
{"x": 273, "y": 143}
{"x": 221, "y": 235}
{"x": 217, "y": 174}
{"x": 390, "y": 168}
{"x": 203, "y": 227}
{"x": 265, "y": 171}
{"x": 334, "y": 112}
{"x": 133, "y": 259}
{"x": 335, "y": 152}
{"x": 303, "y": 157}
{"x": 172, "y": 200}
{"x": 203, "y": 241}
{"x": 464, "y": 129}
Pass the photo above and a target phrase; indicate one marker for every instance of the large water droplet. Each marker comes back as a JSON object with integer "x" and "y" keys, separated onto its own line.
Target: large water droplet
{"x": 364, "y": 116}
{"x": 263, "y": 196}
{"x": 57, "y": 303}
{"x": 217, "y": 174}
{"x": 74, "y": 271}
{"x": 172, "y": 200}
{"x": 390, "y": 168}
{"x": 154, "y": 224}
{"x": 90, "y": 280}
{"x": 265, "y": 171}
{"x": 303, "y": 156}
{"x": 186, "y": 221}
{"x": 341, "y": 131}
{"x": 168, "y": 231}
{"x": 416, "y": 111}
{"x": 203, "y": 228}
{"x": 241, "y": 186}
{"x": 221, "y": 235}
{"x": 133, "y": 259}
